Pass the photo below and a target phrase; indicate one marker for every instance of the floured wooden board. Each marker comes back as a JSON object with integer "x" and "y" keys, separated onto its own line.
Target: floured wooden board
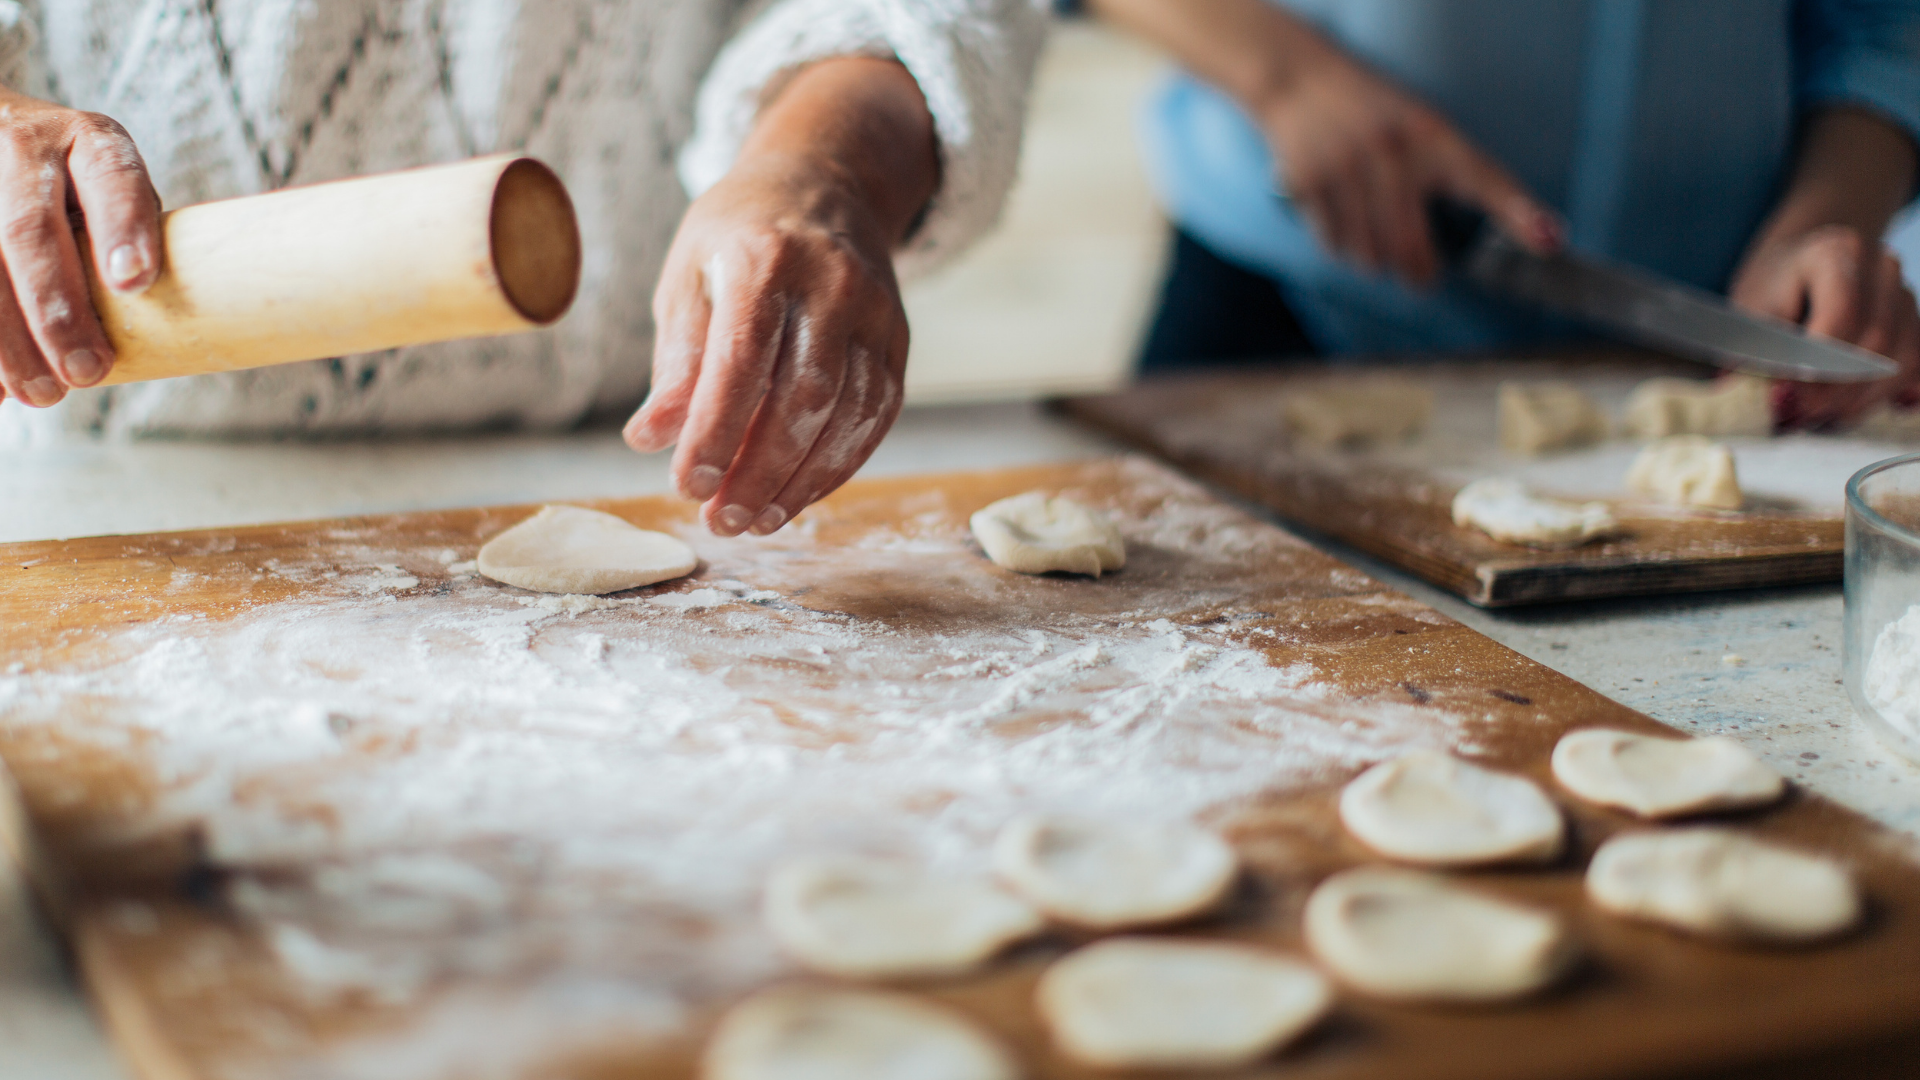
{"x": 1394, "y": 502}
{"x": 316, "y": 801}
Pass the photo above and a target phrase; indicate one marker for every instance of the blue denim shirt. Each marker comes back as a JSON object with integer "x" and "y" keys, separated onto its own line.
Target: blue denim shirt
{"x": 1661, "y": 129}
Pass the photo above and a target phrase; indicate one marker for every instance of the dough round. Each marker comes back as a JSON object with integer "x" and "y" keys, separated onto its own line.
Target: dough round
{"x": 1177, "y": 1003}
{"x": 1505, "y": 510}
{"x": 1114, "y": 874}
{"x": 816, "y": 1033}
{"x": 1035, "y": 534}
{"x": 1720, "y": 883}
{"x": 1662, "y": 778}
{"x": 874, "y": 919}
{"x": 1687, "y": 470}
{"x": 1435, "y": 810}
{"x": 1415, "y": 936}
{"x": 568, "y": 549}
{"x": 1541, "y": 416}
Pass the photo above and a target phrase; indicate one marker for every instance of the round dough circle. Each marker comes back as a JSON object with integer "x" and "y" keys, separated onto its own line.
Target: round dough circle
{"x": 811, "y": 1033}
{"x": 1720, "y": 883}
{"x": 1177, "y": 1003}
{"x": 1034, "y": 534}
{"x": 1109, "y": 875}
{"x": 1662, "y": 778}
{"x": 1412, "y": 935}
{"x": 1434, "y": 810}
{"x": 568, "y": 549}
{"x": 874, "y": 919}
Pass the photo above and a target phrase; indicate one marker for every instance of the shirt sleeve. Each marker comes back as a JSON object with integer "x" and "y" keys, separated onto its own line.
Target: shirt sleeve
{"x": 973, "y": 59}
{"x": 1860, "y": 52}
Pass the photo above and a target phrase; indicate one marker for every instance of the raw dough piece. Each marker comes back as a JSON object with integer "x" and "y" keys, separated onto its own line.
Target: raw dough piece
{"x": 1505, "y": 510}
{"x": 868, "y": 918}
{"x": 1034, "y": 534}
{"x": 1435, "y": 810}
{"x": 1720, "y": 883}
{"x": 1415, "y": 936}
{"x": 1542, "y": 416}
{"x": 1114, "y": 874}
{"x": 1662, "y": 778}
{"x": 817, "y": 1033}
{"x": 567, "y": 549}
{"x": 1889, "y": 423}
{"x": 1129, "y": 1003}
{"x": 1730, "y": 405}
{"x": 1687, "y": 470}
{"x": 1357, "y": 412}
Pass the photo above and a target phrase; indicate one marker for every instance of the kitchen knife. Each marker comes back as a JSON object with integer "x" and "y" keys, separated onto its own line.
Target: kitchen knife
{"x": 1644, "y": 307}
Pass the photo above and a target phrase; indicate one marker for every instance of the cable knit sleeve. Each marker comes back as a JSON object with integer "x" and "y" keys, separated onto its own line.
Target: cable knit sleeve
{"x": 973, "y": 59}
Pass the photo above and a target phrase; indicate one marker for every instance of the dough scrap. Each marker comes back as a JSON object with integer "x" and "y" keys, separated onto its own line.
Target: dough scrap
{"x": 812, "y": 1033}
{"x": 877, "y": 919}
{"x": 1888, "y": 422}
{"x": 1732, "y": 405}
{"x": 1357, "y": 412}
{"x": 1720, "y": 883}
{"x": 1505, "y": 510}
{"x": 1431, "y": 809}
{"x": 1663, "y": 778}
{"x": 1687, "y": 470}
{"x": 1177, "y": 1003}
{"x": 1035, "y": 534}
{"x": 1415, "y": 936}
{"x": 1105, "y": 875}
{"x": 1542, "y": 416}
{"x": 569, "y": 549}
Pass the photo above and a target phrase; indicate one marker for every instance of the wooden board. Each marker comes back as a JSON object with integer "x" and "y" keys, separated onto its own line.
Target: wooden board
{"x": 195, "y": 834}
{"x": 1226, "y": 429}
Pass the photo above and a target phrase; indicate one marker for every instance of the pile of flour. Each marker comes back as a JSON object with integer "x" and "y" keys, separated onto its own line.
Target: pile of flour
{"x": 1892, "y": 676}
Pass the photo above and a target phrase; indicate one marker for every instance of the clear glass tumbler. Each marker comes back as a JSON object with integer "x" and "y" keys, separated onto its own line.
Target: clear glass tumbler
{"x": 1882, "y": 639}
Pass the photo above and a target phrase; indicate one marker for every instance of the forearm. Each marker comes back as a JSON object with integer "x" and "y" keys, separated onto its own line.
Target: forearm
{"x": 1853, "y": 169}
{"x": 1250, "y": 49}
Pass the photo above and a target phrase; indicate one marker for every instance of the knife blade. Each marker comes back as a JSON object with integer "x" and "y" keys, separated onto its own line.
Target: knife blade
{"x": 1644, "y": 307}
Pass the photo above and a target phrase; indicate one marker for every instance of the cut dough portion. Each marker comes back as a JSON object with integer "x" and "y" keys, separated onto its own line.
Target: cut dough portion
{"x": 869, "y": 918}
{"x": 1357, "y": 412}
{"x": 1505, "y": 510}
{"x": 1687, "y": 470}
{"x": 1662, "y": 778}
{"x": 1114, "y": 874}
{"x": 1415, "y": 936}
{"x": 1128, "y": 1003}
{"x": 1720, "y": 883}
{"x": 568, "y": 549}
{"x": 816, "y": 1033}
{"x": 1542, "y": 416}
{"x": 1435, "y": 810}
{"x": 1729, "y": 405}
{"x": 1034, "y": 534}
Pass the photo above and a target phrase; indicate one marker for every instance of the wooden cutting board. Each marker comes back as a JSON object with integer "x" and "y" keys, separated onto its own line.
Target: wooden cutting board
{"x": 312, "y": 800}
{"x": 1395, "y": 503}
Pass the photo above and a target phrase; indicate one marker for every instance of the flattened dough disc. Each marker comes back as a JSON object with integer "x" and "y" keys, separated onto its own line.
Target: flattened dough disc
{"x": 1720, "y": 883}
{"x": 1035, "y": 534}
{"x": 1431, "y": 809}
{"x": 1109, "y": 875}
{"x": 816, "y": 1033}
{"x": 569, "y": 549}
{"x": 1662, "y": 778}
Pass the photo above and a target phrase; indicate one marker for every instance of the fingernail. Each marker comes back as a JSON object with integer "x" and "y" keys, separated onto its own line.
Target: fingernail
{"x": 83, "y": 367}
{"x": 125, "y": 265}
{"x": 732, "y": 519}
{"x": 769, "y": 521}
{"x": 703, "y": 481}
{"x": 42, "y": 391}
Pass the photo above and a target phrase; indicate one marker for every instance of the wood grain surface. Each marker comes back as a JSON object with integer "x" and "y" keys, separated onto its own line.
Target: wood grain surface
{"x": 192, "y": 989}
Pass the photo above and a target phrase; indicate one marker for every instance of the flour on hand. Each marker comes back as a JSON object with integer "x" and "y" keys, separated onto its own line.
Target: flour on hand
{"x": 1719, "y": 883}
{"x": 811, "y": 1032}
{"x": 1036, "y": 534}
{"x": 1687, "y": 470}
{"x": 1662, "y": 778}
{"x": 1105, "y": 875}
{"x": 1505, "y": 510}
{"x": 568, "y": 549}
{"x": 1435, "y": 810}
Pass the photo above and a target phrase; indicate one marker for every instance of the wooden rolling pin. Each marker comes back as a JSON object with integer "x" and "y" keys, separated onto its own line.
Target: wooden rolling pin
{"x": 487, "y": 246}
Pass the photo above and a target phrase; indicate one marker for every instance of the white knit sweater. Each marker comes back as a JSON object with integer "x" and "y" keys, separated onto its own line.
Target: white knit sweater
{"x": 243, "y": 96}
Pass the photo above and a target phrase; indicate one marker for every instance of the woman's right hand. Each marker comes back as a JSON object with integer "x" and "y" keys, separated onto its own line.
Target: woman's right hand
{"x": 59, "y": 166}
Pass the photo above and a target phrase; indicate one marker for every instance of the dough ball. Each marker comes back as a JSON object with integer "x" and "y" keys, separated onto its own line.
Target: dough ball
{"x": 1357, "y": 412}
{"x": 1034, "y": 534}
{"x": 1662, "y": 778}
{"x": 1435, "y": 810}
{"x": 1415, "y": 936}
{"x": 875, "y": 919}
{"x": 1106, "y": 875}
{"x": 1687, "y": 470}
{"x": 1505, "y": 510}
{"x": 816, "y": 1033}
{"x": 1167, "y": 1003}
{"x": 1719, "y": 883}
{"x": 1728, "y": 406}
{"x": 1543, "y": 416}
{"x": 567, "y": 549}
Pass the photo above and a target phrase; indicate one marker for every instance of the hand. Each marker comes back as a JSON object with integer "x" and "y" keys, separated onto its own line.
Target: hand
{"x": 56, "y": 162}
{"x": 1842, "y": 284}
